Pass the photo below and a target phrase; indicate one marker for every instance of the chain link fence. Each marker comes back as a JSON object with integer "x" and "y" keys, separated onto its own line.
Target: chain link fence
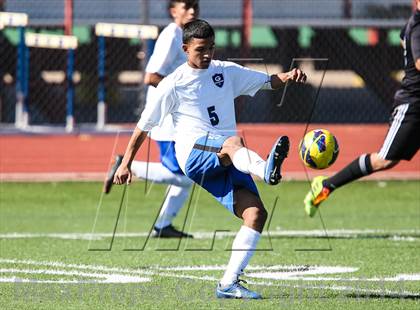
{"x": 358, "y": 61}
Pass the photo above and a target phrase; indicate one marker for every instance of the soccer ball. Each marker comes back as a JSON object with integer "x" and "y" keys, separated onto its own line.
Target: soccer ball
{"x": 318, "y": 149}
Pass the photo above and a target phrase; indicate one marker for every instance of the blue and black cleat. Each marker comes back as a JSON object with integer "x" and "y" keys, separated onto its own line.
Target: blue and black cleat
{"x": 275, "y": 159}
{"x": 236, "y": 290}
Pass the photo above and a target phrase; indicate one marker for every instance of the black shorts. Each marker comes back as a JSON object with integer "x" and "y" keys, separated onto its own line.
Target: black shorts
{"x": 403, "y": 138}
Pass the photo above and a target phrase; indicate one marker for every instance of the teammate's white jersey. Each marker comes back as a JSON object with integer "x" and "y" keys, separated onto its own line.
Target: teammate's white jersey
{"x": 201, "y": 101}
{"x": 167, "y": 56}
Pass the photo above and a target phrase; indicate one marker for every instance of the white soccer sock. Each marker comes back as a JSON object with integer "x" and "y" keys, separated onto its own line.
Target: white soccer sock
{"x": 243, "y": 248}
{"x": 248, "y": 161}
{"x": 173, "y": 203}
{"x": 158, "y": 173}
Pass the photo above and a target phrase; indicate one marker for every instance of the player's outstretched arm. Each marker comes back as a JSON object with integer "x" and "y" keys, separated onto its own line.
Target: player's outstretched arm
{"x": 123, "y": 174}
{"x": 295, "y": 75}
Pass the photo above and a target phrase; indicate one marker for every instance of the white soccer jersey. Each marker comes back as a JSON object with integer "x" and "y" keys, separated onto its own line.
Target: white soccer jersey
{"x": 201, "y": 101}
{"x": 167, "y": 56}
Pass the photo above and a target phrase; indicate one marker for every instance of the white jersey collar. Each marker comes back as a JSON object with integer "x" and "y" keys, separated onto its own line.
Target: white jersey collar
{"x": 194, "y": 71}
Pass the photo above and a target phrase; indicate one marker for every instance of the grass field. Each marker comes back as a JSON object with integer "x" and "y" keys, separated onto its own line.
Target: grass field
{"x": 55, "y": 242}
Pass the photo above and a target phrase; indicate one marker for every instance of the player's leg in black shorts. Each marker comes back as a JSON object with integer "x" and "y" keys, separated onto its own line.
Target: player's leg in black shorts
{"x": 403, "y": 138}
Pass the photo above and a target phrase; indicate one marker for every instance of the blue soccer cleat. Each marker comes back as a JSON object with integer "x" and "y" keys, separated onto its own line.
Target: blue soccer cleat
{"x": 275, "y": 159}
{"x": 236, "y": 290}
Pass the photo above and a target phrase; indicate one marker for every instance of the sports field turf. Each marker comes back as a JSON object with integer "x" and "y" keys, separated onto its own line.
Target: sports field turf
{"x": 370, "y": 260}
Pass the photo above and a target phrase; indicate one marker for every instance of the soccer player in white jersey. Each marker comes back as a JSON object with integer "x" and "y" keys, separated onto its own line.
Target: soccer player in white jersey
{"x": 200, "y": 97}
{"x": 167, "y": 56}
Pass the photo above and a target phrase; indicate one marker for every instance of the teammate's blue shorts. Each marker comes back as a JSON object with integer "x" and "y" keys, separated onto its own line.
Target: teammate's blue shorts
{"x": 204, "y": 167}
{"x": 167, "y": 156}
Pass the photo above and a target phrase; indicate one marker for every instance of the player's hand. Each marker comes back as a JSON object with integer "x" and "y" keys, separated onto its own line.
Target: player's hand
{"x": 122, "y": 175}
{"x": 296, "y": 75}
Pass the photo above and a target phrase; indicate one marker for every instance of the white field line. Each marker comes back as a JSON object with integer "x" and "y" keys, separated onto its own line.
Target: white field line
{"x": 76, "y": 266}
{"x": 132, "y": 272}
{"x": 404, "y": 238}
{"x": 289, "y": 269}
{"x": 314, "y": 270}
{"x": 223, "y": 267}
{"x": 396, "y": 235}
{"x": 24, "y": 280}
{"x": 286, "y": 272}
{"x": 298, "y": 273}
{"x": 282, "y": 276}
{"x": 153, "y": 269}
{"x": 102, "y": 277}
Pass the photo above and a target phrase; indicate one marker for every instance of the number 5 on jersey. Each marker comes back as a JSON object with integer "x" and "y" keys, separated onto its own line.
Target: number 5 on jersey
{"x": 214, "y": 118}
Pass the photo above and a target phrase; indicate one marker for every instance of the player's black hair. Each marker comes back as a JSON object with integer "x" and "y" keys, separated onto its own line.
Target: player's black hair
{"x": 197, "y": 29}
{"x": 188, "y": 4}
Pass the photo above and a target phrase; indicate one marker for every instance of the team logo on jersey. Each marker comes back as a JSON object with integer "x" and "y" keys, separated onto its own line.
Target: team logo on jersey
{"x": 218, "y": 79}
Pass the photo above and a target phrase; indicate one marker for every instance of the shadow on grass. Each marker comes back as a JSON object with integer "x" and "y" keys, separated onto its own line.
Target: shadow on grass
{"x": 384, "y": 296}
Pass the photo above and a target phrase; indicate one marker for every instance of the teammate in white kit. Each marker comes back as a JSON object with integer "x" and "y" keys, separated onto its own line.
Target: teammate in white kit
{"x": 200, "y": 97}
{"x": 167, "y": 56}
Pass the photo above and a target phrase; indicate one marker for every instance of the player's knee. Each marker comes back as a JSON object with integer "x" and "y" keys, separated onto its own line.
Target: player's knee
{"x": 256, "y": 216}
{"x": 230, "y": 146}
{"x": 233, "y": 142}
